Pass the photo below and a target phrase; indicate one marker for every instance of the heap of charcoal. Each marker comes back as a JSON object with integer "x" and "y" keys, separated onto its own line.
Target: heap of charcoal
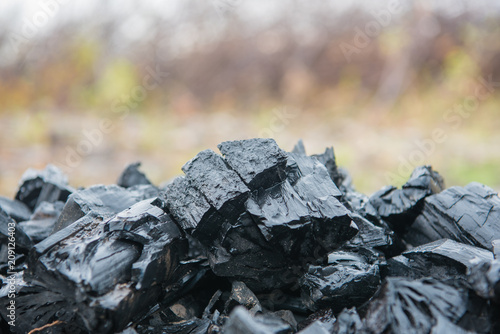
{"x": 255, "y": 240}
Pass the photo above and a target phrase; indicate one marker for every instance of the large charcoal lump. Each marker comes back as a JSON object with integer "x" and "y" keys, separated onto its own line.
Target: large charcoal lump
{"x": 259, "y": 204}
{"x": 142, "y": 246}
{"x": 470, "y": 215}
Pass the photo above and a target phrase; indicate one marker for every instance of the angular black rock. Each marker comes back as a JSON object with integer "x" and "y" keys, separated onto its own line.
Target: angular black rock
{"x": 48, "y": 185}
{"x": 242, "y": 295}
{"x": 348, "y": 280}
{"x": 17, "y": 210}
{"x": 241, "y": 322}
{"x": 102, "y": 201}
{"x": 470, "y": 215}
{"x": 443, "y": 259}
{"x": 132, "y": 176}
{"x": 40, "y": 225}
{"x": 485, "y": 279}
{"x": 400, "y": 207}
{"x": 141, "y": 245}
{"x": 259, "y": 162}
{"x": 425, "y": 306}
{"x": 318, "y": 322}
{"x": 260, "y": 205}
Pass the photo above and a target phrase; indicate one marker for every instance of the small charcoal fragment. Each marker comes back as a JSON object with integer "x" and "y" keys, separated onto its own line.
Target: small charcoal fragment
{"x": 11, "y": 233}
{"x": 349, "y": 322}
{"x": 349, "y": 279}
{"x": 470, "y": 215}
{"x": 400, "y": 207}
{"x": 242, "y": 295}
{"x": 241, "y": 322}
{"x": 49, "y": 185}
{"x": 103, "y": 201}
{"x": 132, "y": 176}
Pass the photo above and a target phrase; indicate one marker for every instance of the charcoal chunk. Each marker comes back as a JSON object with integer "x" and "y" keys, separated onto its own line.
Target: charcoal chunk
{"x": 49, "y": 185}
{"x": 400, "y": 207}
{"x": 485, "y": 279}
{"x": 221, "y": 186}
{"x": 425, "y": 306}
{"x": 241, "y": 322}
{"x": 132, "y": 176}
{"x": 17, "y": 210}
{"x": 349, "y": 279}
{"x": 112, "y": 269}
{"x": 42, "y": 222}
{"x": 104, "y": 201}
{"x": 470, "y": 215}
{"x": 259, "y": 162}
{"x": 443, "y": 259}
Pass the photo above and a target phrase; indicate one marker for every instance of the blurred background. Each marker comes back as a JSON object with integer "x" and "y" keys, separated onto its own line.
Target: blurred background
{"x": 91, "y": 86}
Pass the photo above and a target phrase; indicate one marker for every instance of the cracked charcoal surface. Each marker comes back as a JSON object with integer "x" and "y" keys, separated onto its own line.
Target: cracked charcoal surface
{"x": 470, "y": 215}
{"x": 255, "y": 240}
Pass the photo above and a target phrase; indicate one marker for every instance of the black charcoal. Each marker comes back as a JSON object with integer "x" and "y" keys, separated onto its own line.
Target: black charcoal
{"x": 349, "y": 279}
{"x": 242, "y": 295}
{"x": 485, "y": 279}
{"x": 424, "y": 306}
{"x": 43, "y": 220}
{"x": 400, "y": 207}
{"x": 17, "y": 210}
{"x": 48, "y": 185}
{"x": 103, "y": 201}
{"x": 443, "y": 259}
{"x": 349, "y": 322}
{"x": 132, "y": 176}
{"x": 13, "y": 239}
{"x": 470, "y": 215}
{"x": 259, "y": 162}
{"x": 142, "y": 245}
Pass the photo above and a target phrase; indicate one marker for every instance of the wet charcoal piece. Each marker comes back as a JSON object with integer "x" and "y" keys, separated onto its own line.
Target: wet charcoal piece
{"x": 17, "y": 210}
{"x": 423, "y": 306}
{"x": 113, "y": 270}
{"x": 242, "y": 295}
{"x": 43, "y": 220}
{"x": 349, "y": 279}
{"x": 470, "y": 215}
{"x": 11, "y": 234}
{"x": 443, "y": 259}
{"x": 36, "y": 307}
{"x": 241, "y": 322}
{"x": 221, "y": 186}
{"x": 400, "y": 207}
{"x": 48, "y": 185}
{"x": 369, "y": 234}
{"x": 104, "y": 201}
{"x": 259, "y": 162}
{"x": 349, "y": 322}
{"x": 132, "y": 176}
{"x": 485, "y": 279}
{"x": 192, "y": 210}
